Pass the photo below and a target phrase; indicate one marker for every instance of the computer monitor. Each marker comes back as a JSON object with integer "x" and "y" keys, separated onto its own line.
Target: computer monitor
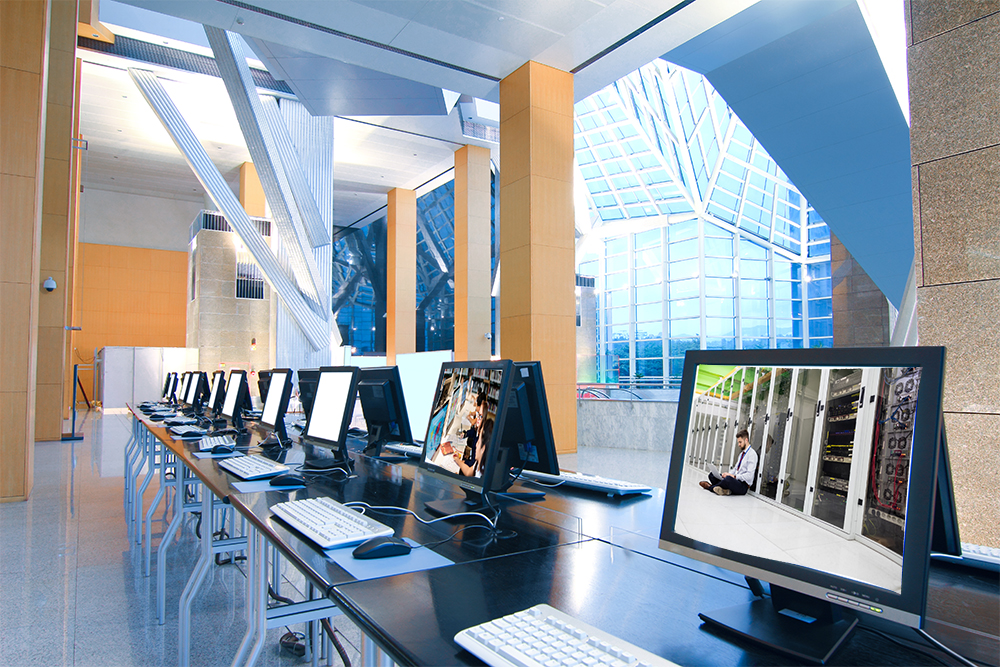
{"x": 218, "y": 393}
{"x": 464, "y": 433}
{"x": 336, "y": 392}
{"x": 170, "y": 388}
{"x": 263, "y": 383}
{"x": 527, "y": 425}
{"x": 198, "y": 393}
{"x": 185, "y": 383}
{"x": 276, "y": 403}
{"x": 308, "y": 379}
{"x": 381, "y": 393}
{"x": 237, "y": 393}
{"x": 165, "y": 394}
{"x": 838, "y": 510}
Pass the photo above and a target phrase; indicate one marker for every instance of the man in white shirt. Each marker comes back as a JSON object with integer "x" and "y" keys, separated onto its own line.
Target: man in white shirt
{"x": 738, "y": 481}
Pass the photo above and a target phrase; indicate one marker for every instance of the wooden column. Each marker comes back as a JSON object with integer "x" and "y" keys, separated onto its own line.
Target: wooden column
{"x": 54, "y": 308}
{"x": 73, "y": 253}
{"x": 472, "y": 253}
{"x": 251, "y": 191}
{"x": 401, "y": 274}
{"x": 537, "y": 278}
{"x": 24, "y": 35}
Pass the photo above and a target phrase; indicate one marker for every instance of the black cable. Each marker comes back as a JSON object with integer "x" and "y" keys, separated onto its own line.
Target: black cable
{"x": 332, "y": 634}
{"x": 278, "y": 598}
{"x": 913, "y": 649}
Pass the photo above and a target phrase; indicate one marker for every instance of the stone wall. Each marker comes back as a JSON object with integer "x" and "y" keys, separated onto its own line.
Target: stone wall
{"x": 641, "y": 425}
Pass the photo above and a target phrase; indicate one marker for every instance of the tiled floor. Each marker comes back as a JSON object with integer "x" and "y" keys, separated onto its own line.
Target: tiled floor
{"x": 72, "y": 590}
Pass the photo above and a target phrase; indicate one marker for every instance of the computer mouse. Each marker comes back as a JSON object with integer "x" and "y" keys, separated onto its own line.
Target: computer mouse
{"x": 223, "y": 449}
{"x": 288, "y": 479}
{"x": 382, "y": 547}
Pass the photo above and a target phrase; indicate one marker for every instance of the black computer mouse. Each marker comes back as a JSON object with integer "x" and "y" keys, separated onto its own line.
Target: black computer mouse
{"x": 223, "y": 449}
{"x": 382, "y": 547}
{"x": 288, "y": 479}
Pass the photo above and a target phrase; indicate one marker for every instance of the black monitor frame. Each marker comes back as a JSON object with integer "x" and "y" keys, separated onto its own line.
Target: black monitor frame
{"x": 341, "y": 458}
{"x": 498, "y": 460}
{"x": 307, "y": 378}
{"x": 171, "y": 396}
{"x": 381, "y": 392}
{"x": 185, "y": 381}
{"x": 280, "y": 394}
{"x": 199, "y": 392}
{"x": 833, "y": 599}
{"x": 217, "y": 393}
{"x": 166, "y": 387}
{"x": 242, "y": 390}
{"x": 530, "y": 429}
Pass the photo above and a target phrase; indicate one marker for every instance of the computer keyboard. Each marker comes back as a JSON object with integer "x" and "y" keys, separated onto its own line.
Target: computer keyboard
{"x": 974, "y": 555}
{"x": 612, "y": 487}
{"x": 409, "y": 450}
{"x": 252, "y": 467}
{"x": 542, "y": 636}
{"x": 187, "y": 431}
{"x": 210, "y": 441}
{"x": 328, "y": 523}
{"x": 179, "y": 421}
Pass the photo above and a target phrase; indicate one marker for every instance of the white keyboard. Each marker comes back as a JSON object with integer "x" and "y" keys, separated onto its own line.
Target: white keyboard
{"x": 328, "y": 523}
{"x": 187, "y": 431}
{"x": 612, "y": 487}
{"x": 542, "y": 636}
{"x": 409, "y": 450}
{"x": 210, "y": 441}
{"x": 252, "y": 467}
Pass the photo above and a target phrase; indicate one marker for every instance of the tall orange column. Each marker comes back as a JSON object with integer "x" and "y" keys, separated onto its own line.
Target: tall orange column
{"x": 24, "y": 35}
{"x": 472, "y": 253}
{"x": 401, "y": 275}
{"x": 55, "y": 308}
{"x": 537, "y": 278}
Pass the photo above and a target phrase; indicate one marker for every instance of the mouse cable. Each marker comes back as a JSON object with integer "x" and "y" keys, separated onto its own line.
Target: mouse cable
{"x": 389, "y": 508}
{"x": 450, "y": 537}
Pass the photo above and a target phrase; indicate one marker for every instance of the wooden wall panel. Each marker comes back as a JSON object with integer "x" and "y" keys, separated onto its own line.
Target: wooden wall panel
{"x": 401, "y": 274}
{"x": 473, "y": 279}
{"x": 129, "y": 297}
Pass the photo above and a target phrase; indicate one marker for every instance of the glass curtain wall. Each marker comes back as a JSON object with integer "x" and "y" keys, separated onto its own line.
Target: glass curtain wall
{"x": 697, "y": 239}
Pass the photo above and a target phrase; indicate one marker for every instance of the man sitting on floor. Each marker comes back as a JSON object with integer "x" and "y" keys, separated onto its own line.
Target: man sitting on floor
{"x": 739, "y": 480}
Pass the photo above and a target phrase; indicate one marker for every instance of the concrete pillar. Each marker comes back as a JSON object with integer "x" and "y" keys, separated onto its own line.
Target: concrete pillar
{"x": 24, "y": 37}
{"x": 58, "y": 205}
{"x": 472, "y": 253}
{"x": 952, "y": 54}
{"x": 537, "y": 278}
{"x": 401, "y": 274}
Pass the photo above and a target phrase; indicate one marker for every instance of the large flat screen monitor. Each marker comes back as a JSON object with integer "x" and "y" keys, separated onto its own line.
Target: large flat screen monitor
{"x": 237, "y": 395}
{"x": 263, "y": 384}
{"x": 185, "y": 384}
{"x": 813, "y": 470}
{"x": 279, "y": 390}
{"x": 384, "y": 406}
{"x": 482, "y": 430}
{"x": 336, "y": 393}
{"x": 308, "y": 378}
{"x": 197, "y": 387}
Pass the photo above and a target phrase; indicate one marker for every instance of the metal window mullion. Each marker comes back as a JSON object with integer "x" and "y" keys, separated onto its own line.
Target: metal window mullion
{"x": 630, "y": 264}
{"x": 665, "y": 301}
{"x": 772, "y": 315}
{"x": 737, "y": 292}
{"x": 702, "y": 303}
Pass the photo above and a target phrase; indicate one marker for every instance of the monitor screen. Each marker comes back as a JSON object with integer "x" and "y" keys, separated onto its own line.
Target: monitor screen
{"x": 185, "y": 383}
{"x": 461, "y": 433}
{"x": 237, "y": 380}
{"x": 814, "y": 470}
{"x": 279, "y": 382}
{"x": 192, "y": 390}
{"x": 333, "y": 406}
{"x": 218, "y": 384}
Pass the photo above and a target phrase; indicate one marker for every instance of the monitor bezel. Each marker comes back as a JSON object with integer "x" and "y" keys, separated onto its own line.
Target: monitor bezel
{"x": 490, "y": 480}
{"x": 185, "y": 383}
{"x": 909, "y": 605}
{"x": 339, "y": 445}
{"x": 241, "y": 389}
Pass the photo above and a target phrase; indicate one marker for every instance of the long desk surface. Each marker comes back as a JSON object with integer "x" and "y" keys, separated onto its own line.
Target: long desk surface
{"x": 594, "y": 557}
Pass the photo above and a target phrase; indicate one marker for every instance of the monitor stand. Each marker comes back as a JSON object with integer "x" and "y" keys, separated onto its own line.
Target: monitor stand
{"x": 793, "y": 623}
{"x": 473, "y": 502}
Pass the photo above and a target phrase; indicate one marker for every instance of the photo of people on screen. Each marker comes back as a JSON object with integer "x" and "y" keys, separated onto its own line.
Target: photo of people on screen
{"x": 737, "y": 482}
{"x": 461, "y": 423}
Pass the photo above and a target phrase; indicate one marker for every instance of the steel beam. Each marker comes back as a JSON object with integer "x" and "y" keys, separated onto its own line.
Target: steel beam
{"x": 315, "y": 328}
